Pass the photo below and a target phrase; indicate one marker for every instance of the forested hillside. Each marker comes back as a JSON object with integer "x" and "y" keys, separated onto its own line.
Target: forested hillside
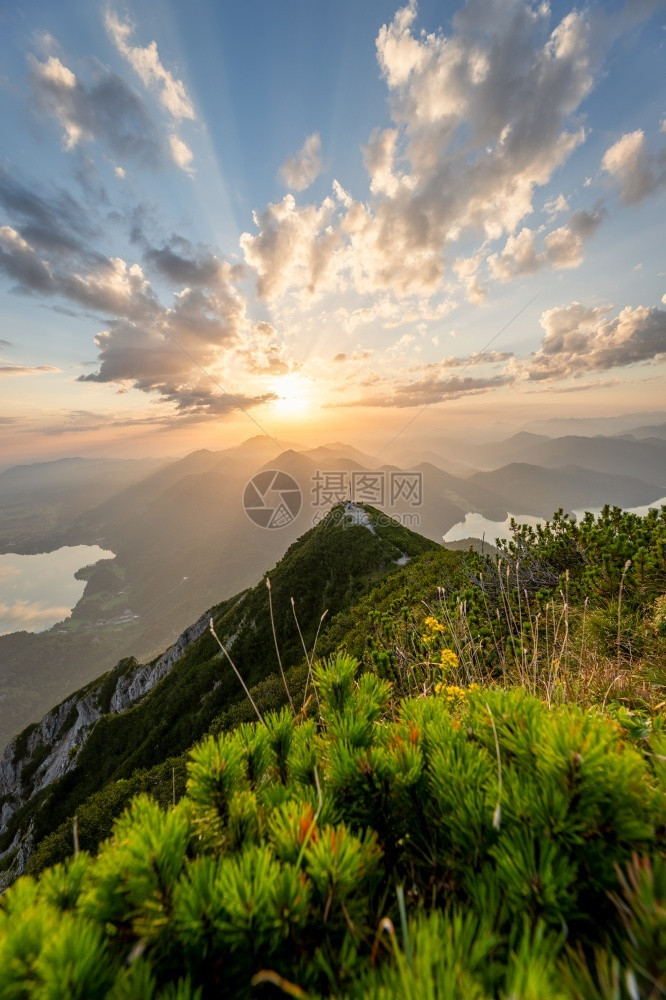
{"x": 461, "y": 794}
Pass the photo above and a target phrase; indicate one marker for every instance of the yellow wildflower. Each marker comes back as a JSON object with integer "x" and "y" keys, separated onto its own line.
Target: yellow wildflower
{"x": 448, "y": 660}
{"x": 453, "y": 694}
{"x": 433, "y": 625}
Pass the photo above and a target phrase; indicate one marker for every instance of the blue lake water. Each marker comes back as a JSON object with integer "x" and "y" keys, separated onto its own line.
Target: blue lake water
{"x": 476, "y": 525}
{"x": 38, "y": 591}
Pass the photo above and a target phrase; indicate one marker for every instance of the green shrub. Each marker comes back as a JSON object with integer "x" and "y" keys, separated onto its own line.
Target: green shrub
{"x": 468, "y": 845}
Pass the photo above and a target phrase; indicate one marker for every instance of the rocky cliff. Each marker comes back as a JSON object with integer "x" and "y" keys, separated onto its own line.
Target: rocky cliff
{"x": 46, "y": 751}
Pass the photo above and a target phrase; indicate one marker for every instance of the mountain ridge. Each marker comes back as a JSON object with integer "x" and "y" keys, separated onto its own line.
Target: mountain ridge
{"x": 330, "y": 566}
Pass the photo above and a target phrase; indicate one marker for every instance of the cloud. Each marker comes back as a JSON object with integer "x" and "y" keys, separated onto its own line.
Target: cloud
{"x": 5, "y": 343}
{"x": 110, "y": 286}
{"x": 115, "y": 287}
{"x": 181, "y": 154}
{"x": 579, "y": 339}
{"x": 379, "y": 158}
{"x": 28, "y": 369}
{"x": 481, "y": 358}
{"x": 19, "y": 261}
{"x": 7, "y": 420}
{"x": 385, "y": 310}
{"x": 635, "y": 168}
{"x": 177, "y": 352}
{"x": 425, "y": 392}
{"x": 183, "y": 264}
{"x": 585, "y": 223}
{"x": 301, "y": 170}
{"x": 106, "y": 110}
{"x": 480, "y": 121}
{"x": 53, "y": 220}
{"x": 361, "y": 355}
{"x": 146, "y": 63}
{"x": 139, "y": 345}
{"x": 294, "y": 247}
{"x": 563, "y": 248}
{"x": 86, "y": 421}
{"x": 270, "y": 362}
{"x": 555, "y": 206}
{"x": 483, "y": 114}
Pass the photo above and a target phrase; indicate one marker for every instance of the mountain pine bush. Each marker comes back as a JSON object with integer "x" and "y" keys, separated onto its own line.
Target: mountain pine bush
{"x": 479, "y": 846}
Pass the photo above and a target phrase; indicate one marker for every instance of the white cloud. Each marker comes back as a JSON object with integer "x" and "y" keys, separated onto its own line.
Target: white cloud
{"x": 379, "y": 159}
{"x": 181, "y": 153}
{"x": 634, "y": 167}
{"x": 579, "y": 339}
{"x": 176, "y": 352}
{"x": 341, "y": 195}
{"x": 19, "y": 260}
{"x": 481, "y": 121}
{"x": 385, "y": 310}
{"x": 120, "y": 172}
{"x": 301, "y": 170}
{"x": 28, "y": 369}
{"x": 103, "y": 108}
{"x": 146, "y": 63}
{"x": 555, "y": 206}
{"x": 563, "y": 248}
{"x": 294, "y": 247}
{"x": 59, "y": 90}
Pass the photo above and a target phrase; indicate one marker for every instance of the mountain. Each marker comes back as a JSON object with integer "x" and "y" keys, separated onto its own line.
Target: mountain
{"x": 531, "y": 489}
{"x": 649, "y": 431}
{"x": 183, "y": 540}
{"x": 140, "y": 714}
{"x": 645, "y": 460}
{"x": 38, "y": 499}
{"x": 620, "y": 424}
{"x": 338, "y": 451}
{"x": 497, "y": 453}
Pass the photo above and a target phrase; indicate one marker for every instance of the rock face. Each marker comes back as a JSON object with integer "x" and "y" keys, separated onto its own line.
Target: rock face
{"x": 44, "y": 752}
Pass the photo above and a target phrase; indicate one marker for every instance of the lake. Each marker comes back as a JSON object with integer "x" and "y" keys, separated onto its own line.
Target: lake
{"x": 39, "y": 590}
{"x": 476, "y": 525}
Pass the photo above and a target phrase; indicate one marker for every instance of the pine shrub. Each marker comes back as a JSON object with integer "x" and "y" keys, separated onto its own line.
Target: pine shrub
{"x": 469, "y": 845}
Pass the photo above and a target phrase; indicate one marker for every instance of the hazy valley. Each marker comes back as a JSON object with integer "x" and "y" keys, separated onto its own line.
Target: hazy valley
{"x": 182, "y": 540}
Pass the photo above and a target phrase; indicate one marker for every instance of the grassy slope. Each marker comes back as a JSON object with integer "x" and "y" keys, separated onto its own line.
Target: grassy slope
{"x": 417, "y": 581}
{"x": 331, "y": 567}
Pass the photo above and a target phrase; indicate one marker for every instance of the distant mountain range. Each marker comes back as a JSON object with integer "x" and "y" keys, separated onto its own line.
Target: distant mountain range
{"x": 183, "y": 540}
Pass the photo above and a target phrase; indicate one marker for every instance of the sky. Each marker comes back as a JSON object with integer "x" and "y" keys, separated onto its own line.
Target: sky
{"x": 325, "y": 221}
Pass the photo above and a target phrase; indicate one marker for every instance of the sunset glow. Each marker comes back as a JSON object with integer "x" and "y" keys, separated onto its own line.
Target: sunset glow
{"x": 293, "y": 396}
{"x": 396, "y": 205}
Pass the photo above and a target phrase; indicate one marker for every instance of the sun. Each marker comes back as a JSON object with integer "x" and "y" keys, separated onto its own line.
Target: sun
{"x": 292, "y": 393}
